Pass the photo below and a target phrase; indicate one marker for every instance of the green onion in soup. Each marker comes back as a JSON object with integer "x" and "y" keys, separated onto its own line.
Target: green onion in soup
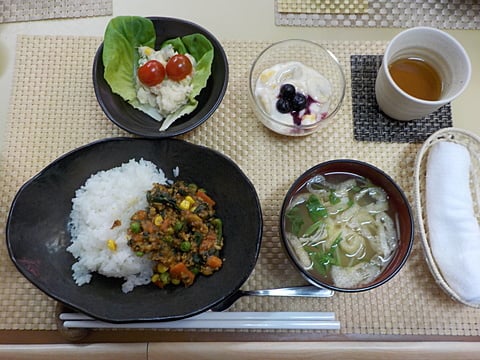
{"x": 342, "y": 228}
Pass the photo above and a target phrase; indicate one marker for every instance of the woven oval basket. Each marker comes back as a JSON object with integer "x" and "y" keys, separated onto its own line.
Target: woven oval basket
{"x": 472, "y": 143}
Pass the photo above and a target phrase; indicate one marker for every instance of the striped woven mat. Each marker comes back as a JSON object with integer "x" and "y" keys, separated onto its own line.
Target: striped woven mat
{"x": 29, "y": 10}
{"x": 443, "y": 14}
{"x": 54, "y": 110}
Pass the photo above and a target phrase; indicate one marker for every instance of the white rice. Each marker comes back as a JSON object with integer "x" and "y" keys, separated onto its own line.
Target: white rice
{"x": 105, "y": 197}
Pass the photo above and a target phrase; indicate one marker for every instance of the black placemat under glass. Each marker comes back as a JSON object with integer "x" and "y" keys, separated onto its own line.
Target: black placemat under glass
{"x": 370, "y": 124}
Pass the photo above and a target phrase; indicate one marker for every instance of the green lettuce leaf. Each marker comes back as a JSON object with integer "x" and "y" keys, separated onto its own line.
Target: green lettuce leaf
{"x": 124, "y": 35}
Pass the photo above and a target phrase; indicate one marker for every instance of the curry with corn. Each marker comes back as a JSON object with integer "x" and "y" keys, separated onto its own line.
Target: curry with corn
{"x": 179, "y": 232}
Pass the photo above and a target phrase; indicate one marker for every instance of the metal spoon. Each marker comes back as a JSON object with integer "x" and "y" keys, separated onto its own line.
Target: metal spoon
{"x": 298, "y": 291}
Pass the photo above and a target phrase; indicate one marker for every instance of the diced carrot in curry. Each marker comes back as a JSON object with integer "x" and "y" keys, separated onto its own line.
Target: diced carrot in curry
{"x": 148, "y": 226}
{"x": 180, "y": 271}
{"x": 208, "y": 241}
{"x": 166, "y": 223}
{"x": 202, "y": 195}
{"x": 214, "y": 262}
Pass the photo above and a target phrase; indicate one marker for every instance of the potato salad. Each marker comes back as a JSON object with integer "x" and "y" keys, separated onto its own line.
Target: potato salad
{"x": 164, "y": 78}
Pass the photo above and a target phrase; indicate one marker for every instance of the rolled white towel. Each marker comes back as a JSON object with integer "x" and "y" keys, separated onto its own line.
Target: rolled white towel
{"x": 453, "y": 228}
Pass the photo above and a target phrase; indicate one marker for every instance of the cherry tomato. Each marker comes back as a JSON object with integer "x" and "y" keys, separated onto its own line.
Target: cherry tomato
{"x": 151, "y": 73}
{"x": 178, "y": 67}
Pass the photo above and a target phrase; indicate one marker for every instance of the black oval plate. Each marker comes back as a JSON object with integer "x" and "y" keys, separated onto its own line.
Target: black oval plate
{"x": 137, "y": 122}
{"x": 37, "y": 234}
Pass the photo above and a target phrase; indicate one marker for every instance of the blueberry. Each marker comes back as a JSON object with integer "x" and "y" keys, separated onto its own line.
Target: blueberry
{"x": 299, "y": 102}
{"x": 283, "y": 106}
{"x": 287, "y": 91}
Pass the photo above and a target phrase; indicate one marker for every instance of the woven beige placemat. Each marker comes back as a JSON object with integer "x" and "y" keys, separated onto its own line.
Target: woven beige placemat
{"x": 322, "y": 6}
{"x": 54, "y": 109}
{"x": 28, "y": 10}
{"x": 452, "y": 14}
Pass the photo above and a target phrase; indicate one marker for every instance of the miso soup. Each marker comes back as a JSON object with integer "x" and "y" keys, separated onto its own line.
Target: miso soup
{"x": 342, "y": 229}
